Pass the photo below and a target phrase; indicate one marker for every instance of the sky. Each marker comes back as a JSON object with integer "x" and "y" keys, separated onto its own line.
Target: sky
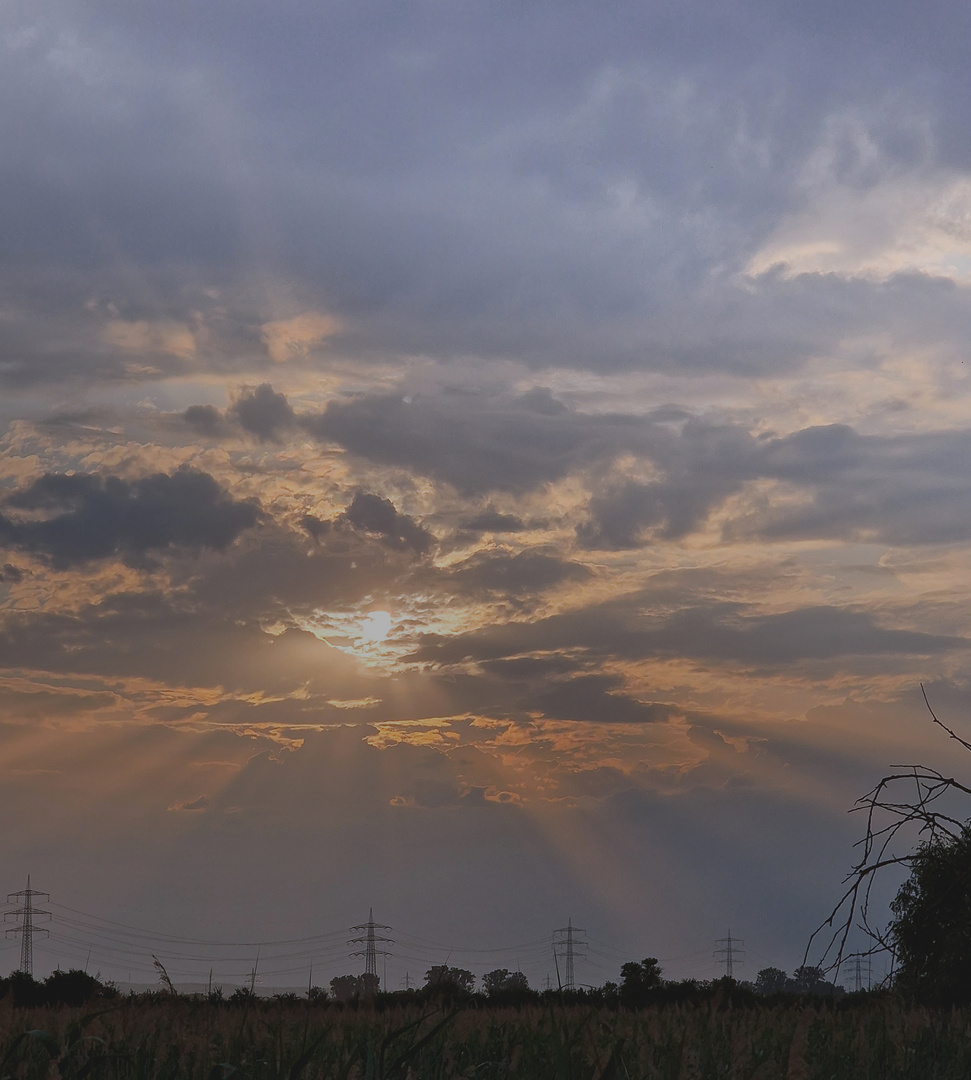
{"x": 495, "y": 463}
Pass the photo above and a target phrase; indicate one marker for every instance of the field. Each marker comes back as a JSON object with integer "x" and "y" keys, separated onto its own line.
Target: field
{"x": 791, "y": 1039}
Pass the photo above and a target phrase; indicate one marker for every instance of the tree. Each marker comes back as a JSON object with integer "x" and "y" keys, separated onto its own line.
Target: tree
{"x": 344, "y": 987}
{"x": 503, "y": 981}
{"x": 932, "y": 920}
{"x": 931, "y": 929}
{"x": 807, "y": 979}
{"x": 27, "y": 992}
{"x": 771, "y": 980}
{"x": 638, "y": 979}
{"x": 73, "y": 987}
{"x": 445, "y": 978}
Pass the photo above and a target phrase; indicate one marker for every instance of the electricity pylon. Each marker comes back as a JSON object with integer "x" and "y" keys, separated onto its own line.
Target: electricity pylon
{"x": 370, "y": 952}
{"x": 567, "y": 943}
{"x": 26, "y": 913}
{"x": 731, "y": 952}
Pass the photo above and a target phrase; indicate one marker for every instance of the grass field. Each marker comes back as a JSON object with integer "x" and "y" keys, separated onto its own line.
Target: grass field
{"x": 862, "y": 1038}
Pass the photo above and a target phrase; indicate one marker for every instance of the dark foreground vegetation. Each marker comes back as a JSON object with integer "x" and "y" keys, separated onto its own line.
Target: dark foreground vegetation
{"x": 681, "y": 1031}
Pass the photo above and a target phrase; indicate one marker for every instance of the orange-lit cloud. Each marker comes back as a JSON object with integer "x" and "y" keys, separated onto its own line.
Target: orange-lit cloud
{"x": 286, "y": 339}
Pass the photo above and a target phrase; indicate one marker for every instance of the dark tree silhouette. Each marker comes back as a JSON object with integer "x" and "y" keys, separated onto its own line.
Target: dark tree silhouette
{"x": 771, "y": 980}
{"x": 344, "y": 987}
{"x": 73, "y": 987}
{"x": 448, "y": 978}
{"x": 638, "y": 979}
{"x": 929, "y": 936}
{"x": 502, "y": 981}
{"x": 931, "y": 928}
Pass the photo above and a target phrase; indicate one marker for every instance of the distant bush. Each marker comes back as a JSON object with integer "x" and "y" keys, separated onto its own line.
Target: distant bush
{"x": 75, "y": 987}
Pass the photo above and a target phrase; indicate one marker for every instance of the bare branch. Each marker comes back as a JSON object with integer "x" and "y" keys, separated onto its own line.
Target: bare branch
{"x": 887, "y": 814}
{"x": 966, "y": 745}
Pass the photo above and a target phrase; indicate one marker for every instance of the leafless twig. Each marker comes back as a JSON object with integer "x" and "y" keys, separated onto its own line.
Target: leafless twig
{"x": 887, "y": 813}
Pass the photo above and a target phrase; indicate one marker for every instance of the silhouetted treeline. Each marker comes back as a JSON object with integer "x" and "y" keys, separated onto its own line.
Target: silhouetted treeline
{"x": 641, "y": 984}
{"x": 804, "y": 980}
{"x": 72, "y": 987}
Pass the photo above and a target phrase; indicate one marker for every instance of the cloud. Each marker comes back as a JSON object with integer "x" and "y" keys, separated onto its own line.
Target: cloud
{"x": 76, "y": 518}
{"x": 898, "y": 489}
{"x": 902, "y": 488}
{"x": 491, "y": 520}
{"x": 526, "y": 572}
{"x": 206, "y": 419}
{"x": 905, "y": 487}
{"x": 189, "y": 805}
{"x": 596, "y": 698}
{"x": 262, "y": 412}
{"x": 719, "y": 632}
{"x": 142, "y": 336}
{"x": 286, "y": 339}
{"x": 700, "y": 467}
{"x": 476, "y": 439}
{"x": 378, "y": 517}
{"x": 614, "y": 364}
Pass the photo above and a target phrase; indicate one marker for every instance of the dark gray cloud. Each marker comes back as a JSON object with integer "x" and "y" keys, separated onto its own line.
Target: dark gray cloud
{"x": 74, "y": 518}
{"x": 262, "y": 412}
{"x": 902, "y": 489}
{"x": 477, "y": 440}
{"x": 717, "y": 632}
{"x": 898, "y": 489}
{"x": 597, "y": 698}
{"x": 180, "y": 642}
{"x": 206, "y": 420}
{"x": 702, "y": 465}
{"x": 378, "y": 517}
{"x": 491, "y": 520}
{"x": 550, "y": 189}
{"x": 527, "y": 572}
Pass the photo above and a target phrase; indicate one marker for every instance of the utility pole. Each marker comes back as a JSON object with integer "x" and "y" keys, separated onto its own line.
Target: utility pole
{"x": 370, "y": 952}
{"x": 253, "y": 973}
{"x": 27, "y": 913}
{"x": 729, "y": 949}
{"x": 568, "y": 944}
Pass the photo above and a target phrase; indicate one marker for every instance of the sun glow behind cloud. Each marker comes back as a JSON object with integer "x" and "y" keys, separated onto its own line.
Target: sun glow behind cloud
{"x": 375, "y": 626}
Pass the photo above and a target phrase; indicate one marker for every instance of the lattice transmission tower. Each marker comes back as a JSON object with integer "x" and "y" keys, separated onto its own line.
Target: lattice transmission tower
{"x": 858, "y": 977}
{"x": 568, "y": 944}
{"x": 370, "y": 940}
{"x": 731, "y": 951}
{"x": 26, "y": 913}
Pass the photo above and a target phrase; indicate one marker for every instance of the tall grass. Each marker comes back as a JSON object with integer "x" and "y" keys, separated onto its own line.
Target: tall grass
{"x": 864, "y": 1038}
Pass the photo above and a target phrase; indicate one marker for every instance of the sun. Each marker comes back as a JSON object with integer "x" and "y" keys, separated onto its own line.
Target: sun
{"x": 376, "y": 626}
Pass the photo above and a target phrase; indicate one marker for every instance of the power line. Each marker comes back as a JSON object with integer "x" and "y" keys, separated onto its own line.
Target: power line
{"x": 567, "y": 943}
{"x": 27, "y": 912}
{"x": 151, "y": 935}
{"x": 730, "y": 952}
{"x": 370, "y": 941}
